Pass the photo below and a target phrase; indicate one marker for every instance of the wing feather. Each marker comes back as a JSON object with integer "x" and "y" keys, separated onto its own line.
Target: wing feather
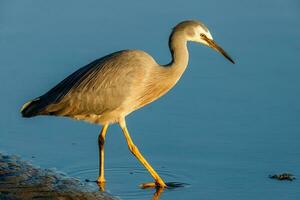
{"x": 101, "y": 86}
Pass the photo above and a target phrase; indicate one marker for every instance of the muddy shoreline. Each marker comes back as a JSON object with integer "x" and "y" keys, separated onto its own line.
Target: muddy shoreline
{"x": 21, "y": 180}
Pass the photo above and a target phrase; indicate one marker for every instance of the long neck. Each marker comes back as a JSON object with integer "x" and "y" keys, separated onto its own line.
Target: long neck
{"x": 164, "y": 77}
{"x": 179, "y": 51}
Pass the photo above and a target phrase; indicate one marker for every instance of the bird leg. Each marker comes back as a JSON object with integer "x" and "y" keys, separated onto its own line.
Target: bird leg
{"x": 101, "y": 140}
{"x": 135, "y": 151}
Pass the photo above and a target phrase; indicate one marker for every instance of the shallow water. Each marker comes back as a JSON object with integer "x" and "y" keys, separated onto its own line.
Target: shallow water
{"x": 223, "y": 129}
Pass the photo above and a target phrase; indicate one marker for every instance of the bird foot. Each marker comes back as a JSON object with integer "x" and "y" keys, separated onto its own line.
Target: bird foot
{"x": 153, "y": 185}
{"x": 101, "y": 183}
{"x": 100, "y": 180}
{"x": 168, "y": 185}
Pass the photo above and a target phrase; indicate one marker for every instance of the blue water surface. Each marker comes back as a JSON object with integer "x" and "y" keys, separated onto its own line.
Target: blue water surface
{"x": 223, "y": 129}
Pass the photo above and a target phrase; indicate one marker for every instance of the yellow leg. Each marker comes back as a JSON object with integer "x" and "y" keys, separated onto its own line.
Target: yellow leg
{"x": 135, "y": 151}
{"x": 101, "y": 140}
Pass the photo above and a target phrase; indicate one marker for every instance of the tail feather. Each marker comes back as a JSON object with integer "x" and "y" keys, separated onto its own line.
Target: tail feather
{"x": 31, "y": 108}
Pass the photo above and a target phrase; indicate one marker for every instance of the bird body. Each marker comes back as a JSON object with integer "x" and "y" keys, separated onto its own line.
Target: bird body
{"x": 111, "y": 89}
{"x": 108, "y": 89}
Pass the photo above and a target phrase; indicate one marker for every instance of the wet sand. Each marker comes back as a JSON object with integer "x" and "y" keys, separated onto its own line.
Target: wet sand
{"x": 20, "y": 180}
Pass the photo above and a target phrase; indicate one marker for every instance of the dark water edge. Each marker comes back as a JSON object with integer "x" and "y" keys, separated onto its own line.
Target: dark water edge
{"x": 21, "y": 180}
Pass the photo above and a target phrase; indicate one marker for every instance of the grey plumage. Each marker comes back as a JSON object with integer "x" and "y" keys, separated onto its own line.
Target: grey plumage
{"x": 108, "y": 89}
{"x": 38, "y": 106}
{"x": 113, "y": 86}
{"x": 94, "y": 89}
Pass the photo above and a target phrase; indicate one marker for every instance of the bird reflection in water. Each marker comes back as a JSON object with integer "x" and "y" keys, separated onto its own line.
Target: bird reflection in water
{"x": 158, "y": 190}
{"x": 156, "y": 194}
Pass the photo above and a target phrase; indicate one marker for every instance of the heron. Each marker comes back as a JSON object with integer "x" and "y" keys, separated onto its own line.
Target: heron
{"x": 108, "y": 89}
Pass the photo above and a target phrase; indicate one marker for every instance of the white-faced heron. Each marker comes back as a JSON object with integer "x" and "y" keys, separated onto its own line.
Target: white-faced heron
{"x": 108, "y": 89}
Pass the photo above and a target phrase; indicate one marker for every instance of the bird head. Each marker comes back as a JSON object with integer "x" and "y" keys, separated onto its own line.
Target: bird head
{"x": 196, "y": 31}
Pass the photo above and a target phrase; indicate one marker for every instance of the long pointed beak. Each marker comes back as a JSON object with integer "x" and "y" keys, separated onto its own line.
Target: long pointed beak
{"x": 216, "y": 47}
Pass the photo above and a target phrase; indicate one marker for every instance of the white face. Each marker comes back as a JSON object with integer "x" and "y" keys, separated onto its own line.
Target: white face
{"x": 199, "y": 32}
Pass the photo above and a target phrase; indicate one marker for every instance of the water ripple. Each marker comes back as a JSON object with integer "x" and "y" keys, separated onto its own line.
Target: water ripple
{"x": 123, "y": 181}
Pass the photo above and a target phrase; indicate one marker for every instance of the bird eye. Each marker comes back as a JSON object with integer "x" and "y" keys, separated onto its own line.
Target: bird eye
{"x": 202, "y": 35}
